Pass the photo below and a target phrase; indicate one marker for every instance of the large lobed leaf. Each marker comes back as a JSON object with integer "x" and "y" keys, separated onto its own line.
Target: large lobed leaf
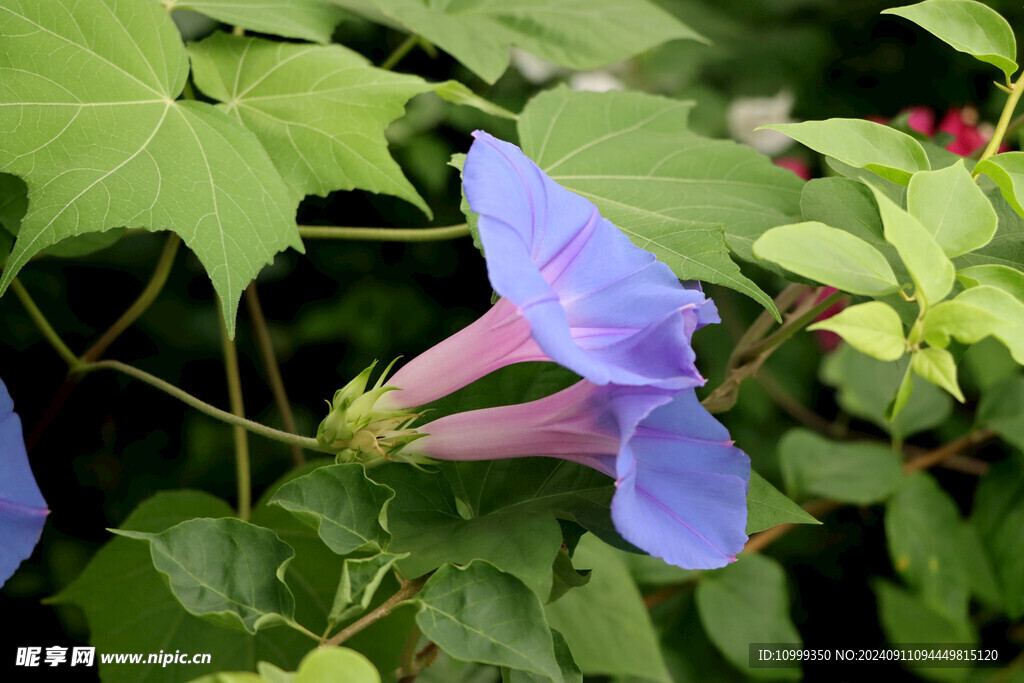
{"x": 666, "y": 187}
{"x": 89, "y": 120}
{"x": 320, "y": 111}
{"x": 306, "y": 19}
{"x": 580, "y": 34}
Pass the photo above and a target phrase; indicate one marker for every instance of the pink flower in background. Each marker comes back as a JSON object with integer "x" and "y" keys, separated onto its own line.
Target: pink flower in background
{"x": 969, "y": 135}
{"x": 796, "y": 165}
{"x": 828, "y": 341}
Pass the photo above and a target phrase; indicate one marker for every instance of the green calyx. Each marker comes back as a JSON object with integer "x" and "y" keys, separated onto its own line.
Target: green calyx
{"x": 355, "y": 427}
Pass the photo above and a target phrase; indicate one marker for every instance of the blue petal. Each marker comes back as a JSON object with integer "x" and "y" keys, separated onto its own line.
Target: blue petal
{"x": 595, "y": 302}
{"x": 682, "y": 487}
{"x": 22, "y": 508}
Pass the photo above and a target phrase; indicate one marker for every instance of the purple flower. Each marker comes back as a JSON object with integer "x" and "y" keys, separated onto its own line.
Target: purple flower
{"x": 573, "y": 289}
{"x": 22, "y": 508}
{"x": 681, "y": 485}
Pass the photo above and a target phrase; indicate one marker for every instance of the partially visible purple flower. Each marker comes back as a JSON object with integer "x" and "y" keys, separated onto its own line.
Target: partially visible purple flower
{"x": 22, "y": 508}
{"x": 573, "y": 289}
{"x": 681, "y": 484}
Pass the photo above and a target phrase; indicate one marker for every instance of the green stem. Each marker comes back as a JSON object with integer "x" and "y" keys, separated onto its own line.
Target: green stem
{"x": 145, "y": 299}
{"x": 243, "y": 470}
{"x": 266, "y": 347}
{"x": 302, "y": 629}
{"x": 794, "y": 325}
{"x": 400, "y": 52}
{"x": 40, "y": 321}
{"x": 203, "y": 407}
{"x": 448, "y": 232}
{"x": 1004, "y": 121}
{"x": 408, "y": 589}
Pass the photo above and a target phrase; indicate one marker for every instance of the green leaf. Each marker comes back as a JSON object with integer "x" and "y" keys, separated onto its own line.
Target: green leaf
{"x": 968, "y": 26}
{"x": 663, "y": 185}
{"x": 951, "y": 206}
{"x": 1008, "y": 279}
{"x": 959, "y": 319}
{"x": 313, "y": 575}
{"x": 1007, "y": 247}
{"x": 360, "y": 578}
{"x": 873, "y": 328}
{"x": 458, "y": 93}
{"x": 1007, "y": 170}
{"x": 336, "y": 665}
{"x": 226, "y": 570}
{"x": 1002, "y": 408}
{"x": 922, "y": 527}
{"x": 163, "y": 165}
{"x": 425, "y": 522}
{"x": 1008, "y": 312}
{"x": 579, "y": 34}
{"x": 480, "y": 614}
{"x": 906, "y": 618}
{"x": 866, "y": 386}
{"x": 858, "y": 473}
{"x": 829, "y": 256}
{"x": 570, "y": 671}
{"x": 347, "y": 509}
{"x": 929, "y": 267}
{"x": 863, "y": 144}
{"x": 767, "y": 507}
{"x": 902, "y": 397}
{"x": 565, "y": 576}
{"x": 321, "y": 111}
{"x": 129, "y": 606}
{"x": 605, "y": 623}
{"x": 305, "y": 19}
{"x": 938, "y": 367}
{"x": 998, "y": 516}
{"x": 845, "y": 204}
{"x": 322, "y": 665}
{"x": 744, "y": 603}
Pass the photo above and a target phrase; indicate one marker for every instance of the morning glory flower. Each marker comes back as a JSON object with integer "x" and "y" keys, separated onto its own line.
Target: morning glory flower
{"x": 681, "y": 485}
{"x": 573, "y": 290}
{"x": 22, "y": 508}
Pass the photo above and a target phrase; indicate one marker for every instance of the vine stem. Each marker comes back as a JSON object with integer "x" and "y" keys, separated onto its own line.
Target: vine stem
{"x": 148, "y": 295}
{"x": 753, "y": 348}
{"x": 327, "y": 232}
{"x": 205, "y": 408}
{"x": 409, "y": 588}
{"x": 43, "y": 325}
{"x": 274, "y": 379}
{"x": 401, "y": 51}
{"x": 145, "y": 299}
{"x": 243, "y": 470}
{"x": 1004, "y": 121}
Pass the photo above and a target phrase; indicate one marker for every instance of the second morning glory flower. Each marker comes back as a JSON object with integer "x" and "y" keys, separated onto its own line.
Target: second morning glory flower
{"x": 573, "y": 289}
{"x": 681, "y": 485}
{"x": 22, "y": 508}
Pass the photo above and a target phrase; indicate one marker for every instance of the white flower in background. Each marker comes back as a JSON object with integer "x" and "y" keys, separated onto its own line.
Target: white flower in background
{"x": 747, "y": 113}
{"x": 595, "y": 81}
{"x": 536, "y": 70}
{"x": 533, "y": 68}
